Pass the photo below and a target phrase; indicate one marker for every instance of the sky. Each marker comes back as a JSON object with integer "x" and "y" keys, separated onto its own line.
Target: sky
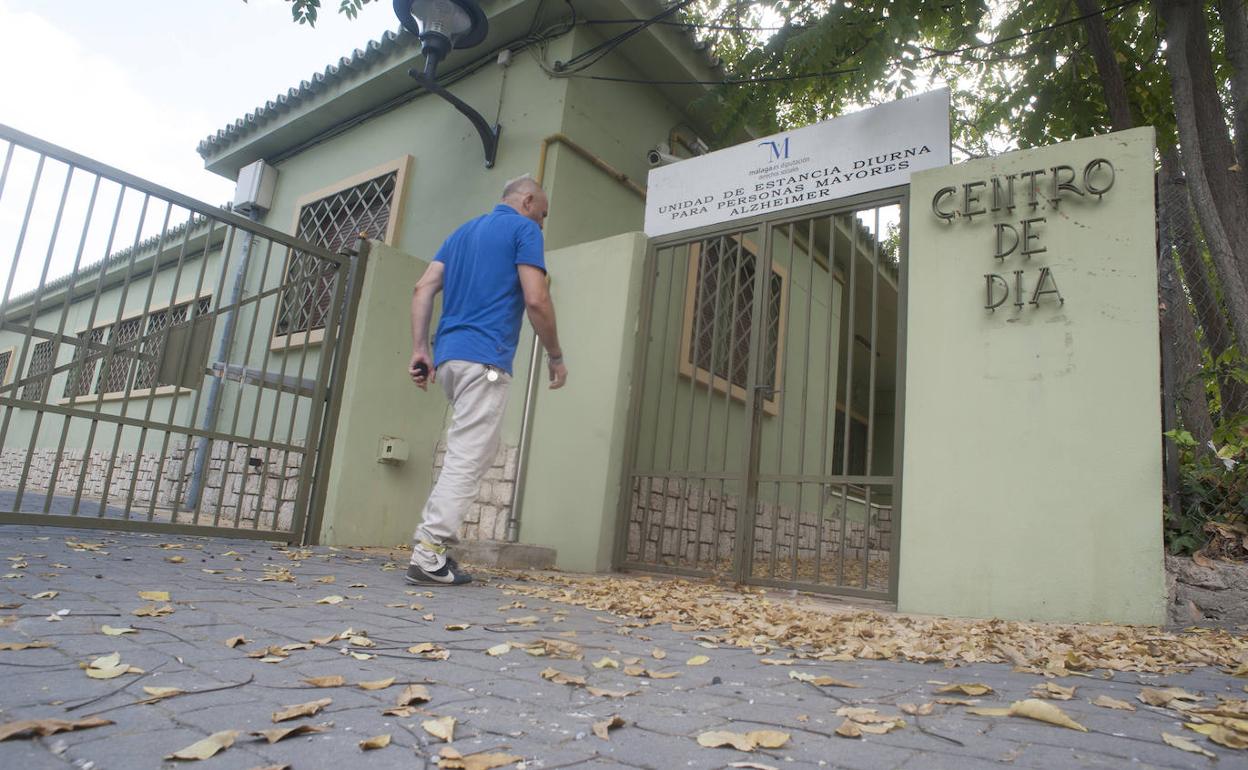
{"x": 138, "y": 84}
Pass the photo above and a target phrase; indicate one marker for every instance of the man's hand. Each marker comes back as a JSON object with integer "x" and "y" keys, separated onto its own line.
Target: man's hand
{"x": 421, "y": 369}
{"x": 558, "y": 373}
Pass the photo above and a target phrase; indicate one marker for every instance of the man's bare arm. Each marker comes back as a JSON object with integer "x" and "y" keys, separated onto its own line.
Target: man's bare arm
{"x": 422, "y": 312}
{"x": 541, "y": 311}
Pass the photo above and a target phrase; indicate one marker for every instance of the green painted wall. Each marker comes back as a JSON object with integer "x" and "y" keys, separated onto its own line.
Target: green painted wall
{"x": 572, "y": 495}
{"x": 367, "y": 502}
{"x": 1032, "y": 474}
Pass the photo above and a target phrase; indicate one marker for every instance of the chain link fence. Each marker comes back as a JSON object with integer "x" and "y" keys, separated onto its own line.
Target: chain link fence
{"x": 1204, "y": 386}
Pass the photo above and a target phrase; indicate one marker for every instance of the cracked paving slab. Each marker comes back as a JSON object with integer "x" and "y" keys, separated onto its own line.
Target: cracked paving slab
{"x": 324, "y": 612}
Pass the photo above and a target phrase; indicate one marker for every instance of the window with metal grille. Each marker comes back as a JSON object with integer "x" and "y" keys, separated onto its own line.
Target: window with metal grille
{"x": 118, "y": 365}
{"x": 723, "y": 313}
{"x": 154, "y": 340}
{"x": 5, "y": 357}
{"x": 40, "y": 363}
{"x": 82, "y": 376}
{"x": 335, "y": 222}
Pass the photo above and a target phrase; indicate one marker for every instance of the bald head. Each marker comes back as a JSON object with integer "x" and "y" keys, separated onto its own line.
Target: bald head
{"x": 526, "y": 196}
{"x": 521, "y": 186}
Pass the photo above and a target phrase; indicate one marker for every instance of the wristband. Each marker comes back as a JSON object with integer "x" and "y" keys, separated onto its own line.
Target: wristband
{"x": 554, "y": 359}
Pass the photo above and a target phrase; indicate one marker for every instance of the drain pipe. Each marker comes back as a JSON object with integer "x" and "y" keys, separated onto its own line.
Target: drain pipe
{"x": 209, "y": 421}
{"x": 535, "y": 353}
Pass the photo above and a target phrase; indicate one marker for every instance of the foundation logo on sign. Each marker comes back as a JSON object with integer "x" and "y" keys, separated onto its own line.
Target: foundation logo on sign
{"x": 868, "y": 150}
{"x": 777, "y": 150}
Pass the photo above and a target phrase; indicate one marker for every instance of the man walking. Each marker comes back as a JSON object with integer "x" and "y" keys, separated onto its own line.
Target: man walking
{"x": 491, "y": 270}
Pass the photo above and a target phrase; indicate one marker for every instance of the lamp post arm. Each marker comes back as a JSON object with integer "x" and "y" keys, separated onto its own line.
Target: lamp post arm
{"x": 489, "y": 134}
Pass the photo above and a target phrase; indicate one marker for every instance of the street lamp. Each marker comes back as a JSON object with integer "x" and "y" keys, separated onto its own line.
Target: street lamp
{"x": 441, "y": 26}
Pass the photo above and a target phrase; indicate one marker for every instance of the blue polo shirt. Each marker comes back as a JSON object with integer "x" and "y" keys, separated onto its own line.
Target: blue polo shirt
{"x": 482, "y": 302}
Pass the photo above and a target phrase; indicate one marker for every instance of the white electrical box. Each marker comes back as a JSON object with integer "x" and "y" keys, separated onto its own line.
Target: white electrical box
{"x": 254, "y": 190}
{"x": 391, "y": 449}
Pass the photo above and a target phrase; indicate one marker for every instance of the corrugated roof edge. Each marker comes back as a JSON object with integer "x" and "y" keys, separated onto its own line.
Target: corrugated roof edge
{"x": 197, "y": 225}
{"x": 359, "y": 61}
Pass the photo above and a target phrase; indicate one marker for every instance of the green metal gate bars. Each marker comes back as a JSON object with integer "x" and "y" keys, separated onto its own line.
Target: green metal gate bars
{"x": 765, "y": 430}
{"x": 151, "y": 377}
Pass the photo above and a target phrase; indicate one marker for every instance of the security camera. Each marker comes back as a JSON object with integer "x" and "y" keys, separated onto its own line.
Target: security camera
{"x": 661, "y": 156}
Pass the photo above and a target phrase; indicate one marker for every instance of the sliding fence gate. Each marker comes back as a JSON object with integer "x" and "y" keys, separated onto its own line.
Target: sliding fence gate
{"x": 765, "y": 430}
{"x": 166, "y": 365}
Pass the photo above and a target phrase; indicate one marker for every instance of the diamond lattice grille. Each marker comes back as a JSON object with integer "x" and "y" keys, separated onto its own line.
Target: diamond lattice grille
{"x": 40, "y": 362}
{"x": 118, "y": 365}
{"x": 334, "y": 222}
{"x": 5, "y": 358}
{"x": 82, "y": 376}
{"x": 154, "y": 340}
{"x": 725, "y": 310}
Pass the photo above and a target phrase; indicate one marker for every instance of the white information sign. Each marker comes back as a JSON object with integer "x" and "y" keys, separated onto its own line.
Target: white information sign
{"x": 868, "y": 150}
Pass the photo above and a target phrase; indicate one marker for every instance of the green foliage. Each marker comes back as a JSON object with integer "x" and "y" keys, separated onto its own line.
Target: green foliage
{"x": 305, "y": 11}
{"x": 1213, "y": 479}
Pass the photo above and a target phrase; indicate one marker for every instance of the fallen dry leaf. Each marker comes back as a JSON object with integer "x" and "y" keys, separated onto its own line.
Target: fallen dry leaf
{"x": 658, "y": 654}
{"x": 206, "y": 748}
{"x": 376, "y": 742}
{"x": 335, "y": 599}
{"x": 110, "y": 631}
{"x": 1220, "y": 734}
{"x": 1053, "y": 691}
{"x": 598, "y": 691}
{"x": 1043, "y": 711}
{"x": 413, "y": 693}
{"x": 527, "y": 620}
{"x": 45, "y": 595}
{"x": 697, "y": 660}
{"x": 379, "y": 684}
{"x": 450, "y": 759}
{"x": 1184, "y": 744}
{"x": 1104, "y": 701}
{"x": 326, "y": 579}
{"x": 768, "y": 739}
{"x": 442, "y": 727}
{"x": 605, "y": 662}
{"x": 29, "y": 728}
{"x": 176, "y": 559}
{"x": 152, "y": 611}
{"x": 820, "y": 680}
{"x": 562, "y": 677}
{"x": 154, "y": 596}
{"x": 601, "y": 729}
{"x": 363, "y": 655}
{"x": 160, "y": 693}
{"x": 1171, "y": 697}
{"x": 280, "y": 733}
{"x": 400, "y": 711}
{"x": 499, "y": 649}
{"x": 919, "y": 711}
{"x": 753, "y": 765}
{"x": 972, "y": 689}
{"x": 235, "y": 641}
{"x": 301, "y": 710}
{"x": 16, "y": 646}
{"x": 458, "y": 626}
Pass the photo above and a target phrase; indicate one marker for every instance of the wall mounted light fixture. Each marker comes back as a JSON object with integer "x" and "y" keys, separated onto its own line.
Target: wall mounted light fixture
{"x": 441, "y": 26}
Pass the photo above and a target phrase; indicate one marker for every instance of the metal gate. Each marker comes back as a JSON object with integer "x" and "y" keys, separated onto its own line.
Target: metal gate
{"x": 167, "y": 365}
{"x": 765, "y": 428}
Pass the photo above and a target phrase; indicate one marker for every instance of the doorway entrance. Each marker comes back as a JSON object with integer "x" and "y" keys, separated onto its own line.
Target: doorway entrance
{"x": 765, "y": 429}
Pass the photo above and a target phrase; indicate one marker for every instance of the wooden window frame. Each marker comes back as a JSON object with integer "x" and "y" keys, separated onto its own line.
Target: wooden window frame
{"x": 771, "y": 406}
{"x": 401, "y": 167}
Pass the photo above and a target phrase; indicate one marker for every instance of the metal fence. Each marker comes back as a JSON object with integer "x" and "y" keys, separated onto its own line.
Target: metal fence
{"x": 765, "y": 428}
{"x": 146, "y": 383}
{"x": 1204, "y": 375}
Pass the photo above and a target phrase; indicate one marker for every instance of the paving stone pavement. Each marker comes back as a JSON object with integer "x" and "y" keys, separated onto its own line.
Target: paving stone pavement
{"x": 500, "y": 703}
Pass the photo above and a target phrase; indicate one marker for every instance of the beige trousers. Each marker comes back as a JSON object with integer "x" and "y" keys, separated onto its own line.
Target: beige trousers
{"x": 477, "y": 405}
